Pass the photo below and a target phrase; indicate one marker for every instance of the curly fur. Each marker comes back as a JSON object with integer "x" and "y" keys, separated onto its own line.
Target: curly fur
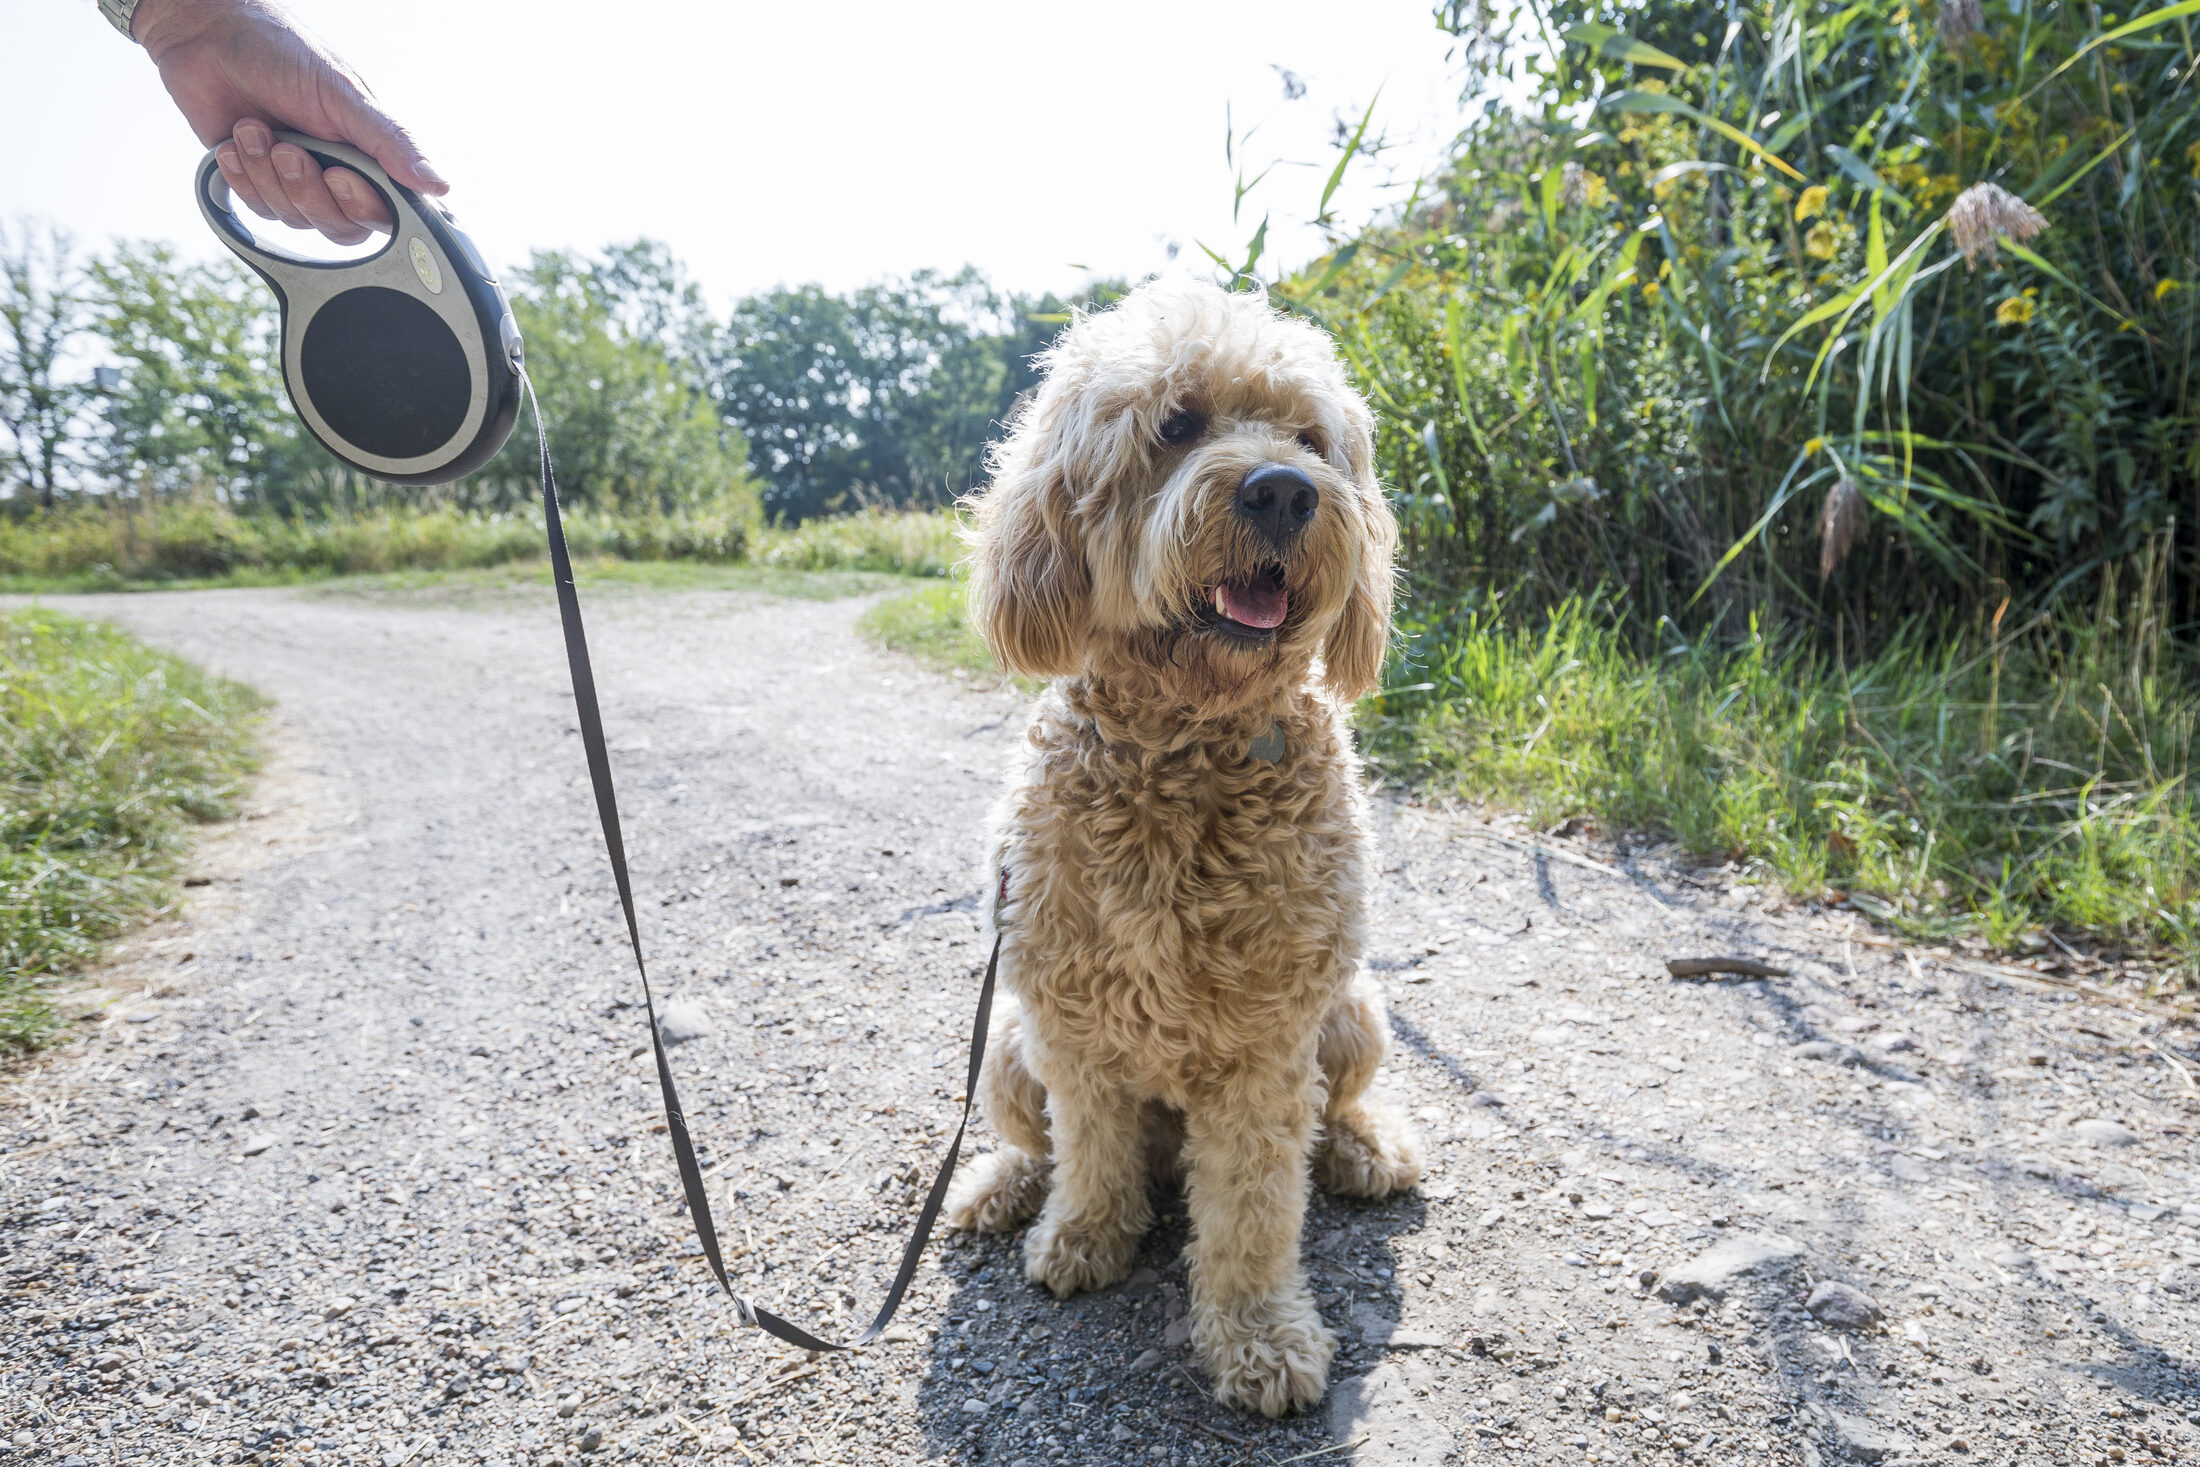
{"x": 1184, "y": 923}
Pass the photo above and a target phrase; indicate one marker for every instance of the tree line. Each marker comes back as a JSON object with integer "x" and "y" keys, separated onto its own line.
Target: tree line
{"x": 137, "y": 374}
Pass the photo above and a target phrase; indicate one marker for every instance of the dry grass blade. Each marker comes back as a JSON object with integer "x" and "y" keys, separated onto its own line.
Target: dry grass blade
{"x": 1840, "y": 524}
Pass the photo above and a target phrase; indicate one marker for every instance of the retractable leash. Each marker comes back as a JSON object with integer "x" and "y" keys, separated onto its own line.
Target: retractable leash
{"x": 388, "y": 361}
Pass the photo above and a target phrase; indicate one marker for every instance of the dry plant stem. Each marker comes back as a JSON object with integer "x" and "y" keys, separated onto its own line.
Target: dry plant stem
{"x": 1705, "y": 967}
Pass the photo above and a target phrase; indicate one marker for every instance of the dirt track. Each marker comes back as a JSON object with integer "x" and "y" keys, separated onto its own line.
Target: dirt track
{"x": 363, "y": 1161}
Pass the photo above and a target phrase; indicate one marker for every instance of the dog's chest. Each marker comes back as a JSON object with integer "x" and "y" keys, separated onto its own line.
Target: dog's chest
{"x": 1157, "y": 880}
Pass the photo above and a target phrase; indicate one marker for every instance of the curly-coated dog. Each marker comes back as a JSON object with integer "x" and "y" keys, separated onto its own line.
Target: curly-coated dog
{"x": 1184, "y": 533}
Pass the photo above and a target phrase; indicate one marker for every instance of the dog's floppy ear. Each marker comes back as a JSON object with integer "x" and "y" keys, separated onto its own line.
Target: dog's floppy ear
{"x": 1028, "y": 583}
{"x": 1354, "y": 649}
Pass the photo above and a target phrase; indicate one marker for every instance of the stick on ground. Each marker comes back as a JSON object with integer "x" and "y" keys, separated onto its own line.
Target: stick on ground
{"x": 1705, "y": 967}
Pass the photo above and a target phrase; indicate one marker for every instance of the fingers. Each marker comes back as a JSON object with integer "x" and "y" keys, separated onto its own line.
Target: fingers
{"x": 255, "y": 144}
{"x": 371, "y": 130}
{"x": 360, "y": 201}
{"x": 278, "y": 180}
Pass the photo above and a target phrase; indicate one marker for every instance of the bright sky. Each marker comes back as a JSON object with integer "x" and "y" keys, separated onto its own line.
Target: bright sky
{"x": 783, "y": 143}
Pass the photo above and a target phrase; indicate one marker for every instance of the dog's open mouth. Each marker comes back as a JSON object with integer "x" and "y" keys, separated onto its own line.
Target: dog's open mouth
{"x": 1250, "y": 607}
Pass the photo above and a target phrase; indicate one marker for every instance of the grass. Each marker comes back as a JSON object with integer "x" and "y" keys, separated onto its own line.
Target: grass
{"x": 109, "y": 753}
{"x": 929, "y": 624}
{"x": 1992, "y": 787}
{"x": 192, "y": 545}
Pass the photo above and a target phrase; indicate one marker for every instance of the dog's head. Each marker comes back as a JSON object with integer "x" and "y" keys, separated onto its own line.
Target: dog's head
{"x": 1190, "y": 493}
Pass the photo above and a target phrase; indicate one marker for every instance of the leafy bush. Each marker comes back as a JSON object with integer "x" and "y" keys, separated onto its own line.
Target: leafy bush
{"x": 108, "y": 752}
{"x": 1701, "y": 318}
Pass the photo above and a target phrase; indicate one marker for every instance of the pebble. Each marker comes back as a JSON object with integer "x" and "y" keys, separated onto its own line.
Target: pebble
{"x": 2105, "y": 1133}
{"x": 683, "y": 1019}
{"x": 254, "y": 1145}
{"x": 1381, "y": 1410}
{"x": 1728, "y": 1264}
{"x": 1864, "y": 1440}
{"x": 1843, "y": 1307}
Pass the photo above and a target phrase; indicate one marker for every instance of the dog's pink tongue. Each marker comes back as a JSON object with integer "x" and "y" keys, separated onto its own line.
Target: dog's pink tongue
{"x": 1254, "y": 603}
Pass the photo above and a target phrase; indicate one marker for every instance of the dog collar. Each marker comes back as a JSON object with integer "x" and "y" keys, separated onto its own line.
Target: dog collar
{"x": 1268, "y": 748}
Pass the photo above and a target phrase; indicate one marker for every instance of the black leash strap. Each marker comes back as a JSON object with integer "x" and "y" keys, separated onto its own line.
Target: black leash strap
{"x": 607, "y": 810}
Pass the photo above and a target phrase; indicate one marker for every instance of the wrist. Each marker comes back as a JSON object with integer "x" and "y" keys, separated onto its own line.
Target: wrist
{"x": 162, "y": 25}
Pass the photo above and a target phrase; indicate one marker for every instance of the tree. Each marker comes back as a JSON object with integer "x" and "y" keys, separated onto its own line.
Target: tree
{"x": 631, "y": 425}
{"x": 43, "y": 308}
{"x": 202, "y": 400}
{"x": 889, "y": 394}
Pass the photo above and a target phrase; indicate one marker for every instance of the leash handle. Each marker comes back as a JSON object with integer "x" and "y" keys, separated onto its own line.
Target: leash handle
{"x": 607, "y": 812}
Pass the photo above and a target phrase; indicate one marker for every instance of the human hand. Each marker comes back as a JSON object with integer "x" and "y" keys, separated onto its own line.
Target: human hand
{"x": 239, "y": 69}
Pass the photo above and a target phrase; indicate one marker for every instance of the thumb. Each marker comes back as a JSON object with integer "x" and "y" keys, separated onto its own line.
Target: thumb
{"x": 371, "y": 130}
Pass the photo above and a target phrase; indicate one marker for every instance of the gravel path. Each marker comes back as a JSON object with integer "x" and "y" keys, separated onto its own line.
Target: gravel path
{"x": 363, "y": 1164}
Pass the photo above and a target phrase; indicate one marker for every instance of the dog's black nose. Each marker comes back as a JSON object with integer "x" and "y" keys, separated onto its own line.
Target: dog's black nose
{"x": 1279, "y": 500}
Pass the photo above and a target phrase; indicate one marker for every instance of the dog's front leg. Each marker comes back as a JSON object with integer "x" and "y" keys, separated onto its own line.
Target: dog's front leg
{"x": 1254, "y": 1323}
{"x": 1097, "y": 1210}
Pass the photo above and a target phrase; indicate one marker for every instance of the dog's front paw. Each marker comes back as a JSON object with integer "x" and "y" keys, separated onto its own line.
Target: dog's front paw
{"x": 1272, "y": 1360}
{"x": 997, "y": 1193}
{"x": 1071, "y": 1257}
{"x": 1367, "y": 1151}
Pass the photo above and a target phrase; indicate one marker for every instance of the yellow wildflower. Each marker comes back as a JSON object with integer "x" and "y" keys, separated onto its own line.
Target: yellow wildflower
{"x": 1814, "y": 445}
{"x": 1650, "y": 290}
{"x": 2015, "y": 311}
{"x": 2164, "y": 287}
{"x": 1821, "y": 242}
{"x": 1812, "y": 203}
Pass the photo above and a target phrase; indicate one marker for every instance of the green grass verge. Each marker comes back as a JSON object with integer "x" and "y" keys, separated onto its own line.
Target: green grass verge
{"x": 1954, "y": 787}
{"x": 109, "y": 752}
{"x": 930, "y": 625}
{"x": 185, "y": 546}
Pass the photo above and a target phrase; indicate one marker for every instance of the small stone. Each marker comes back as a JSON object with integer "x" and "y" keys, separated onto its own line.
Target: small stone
{"x": 681, "y": 1020}
{"x": 1381, "y": 1410}
{"x": 1820, "y": 1049}
{"x": 1487, "y": 1098}
{"x": 254, "y": 1145}
{"x": 2008, "y": 1257}
{"x": 1727, "y": 1265}
{"x": 338, "y": 1307}
{"x": 591, "y": 1439}
{"x": 1597, "y": 1210}
{"x": 1864, "y": 1440}
{"x": 1908, "y": 1169}
{"x": 974, "y": 1406}
{"x": 1178, "y": 1334}
{"x": 1842, "y": 1307}
{"x": 2105, "y": 1133}
{"x": 1898, "y": 1043}
{"x": 1146, "y": 1361}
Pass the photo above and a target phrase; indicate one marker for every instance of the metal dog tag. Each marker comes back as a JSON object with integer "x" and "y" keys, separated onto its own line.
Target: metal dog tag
{"x": 406, "y": 364}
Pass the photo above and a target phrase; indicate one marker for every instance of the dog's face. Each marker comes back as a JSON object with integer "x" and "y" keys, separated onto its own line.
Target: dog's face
{"x": 1190, "y": 493}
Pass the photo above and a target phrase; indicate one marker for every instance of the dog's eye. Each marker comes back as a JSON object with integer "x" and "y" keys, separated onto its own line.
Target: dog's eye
{"x": 1312, "y": 445}
{"x": 1181, "y": 427}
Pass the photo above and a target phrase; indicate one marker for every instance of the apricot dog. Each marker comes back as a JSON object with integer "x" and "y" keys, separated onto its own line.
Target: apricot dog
{"x": 1184, "y": 533}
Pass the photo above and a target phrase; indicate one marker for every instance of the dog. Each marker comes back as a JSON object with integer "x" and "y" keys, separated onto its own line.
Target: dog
{"x": 1184, "y": 533}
